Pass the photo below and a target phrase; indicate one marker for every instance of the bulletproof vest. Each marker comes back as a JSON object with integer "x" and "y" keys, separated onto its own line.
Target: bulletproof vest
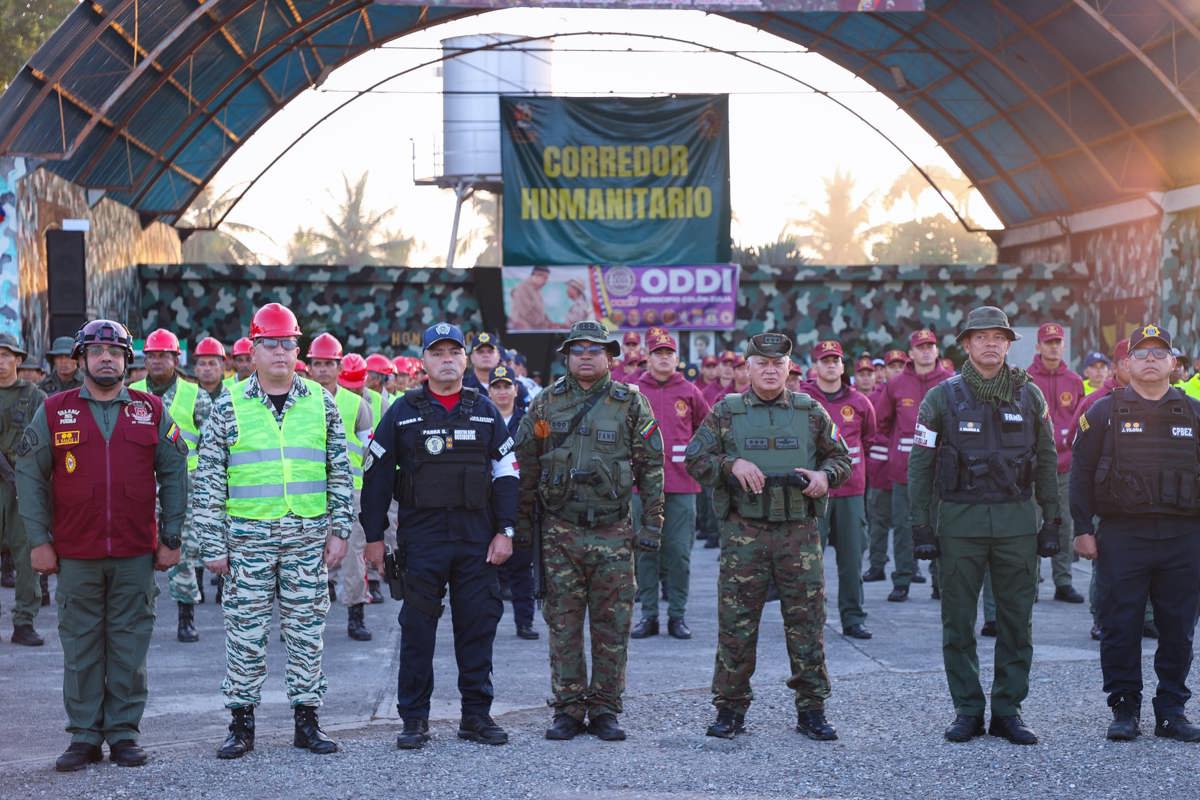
{"x": 987, "y": 453}
{"x": 1149, "y": 465}
{"x": 586, "y": 475}
{"x": 777, "y": 440}
{"x": 450, "y": 465}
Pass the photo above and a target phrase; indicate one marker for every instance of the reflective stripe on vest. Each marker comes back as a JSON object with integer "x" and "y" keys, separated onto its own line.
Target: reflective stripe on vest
{"x": 348, "y": 404}
{"x": 273, "y": 469}
{"x": 183, "y": 413}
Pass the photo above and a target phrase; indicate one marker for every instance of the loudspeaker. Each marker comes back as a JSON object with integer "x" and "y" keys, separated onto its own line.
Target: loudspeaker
{"x": 66, "y": 282}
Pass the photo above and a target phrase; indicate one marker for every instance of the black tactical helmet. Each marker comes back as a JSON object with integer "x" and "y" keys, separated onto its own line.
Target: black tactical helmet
{"x": 103, "y": 331}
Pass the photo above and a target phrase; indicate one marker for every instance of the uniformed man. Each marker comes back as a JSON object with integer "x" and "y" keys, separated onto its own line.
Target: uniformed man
{"x": 983, "y": 445}
{"x": 379, "y": 373}
{"x": 31, "y": 370}
{"x": 771, "y": 457}
{"x": 485, "y": 356}
{"x": 443, "y": 453}
{"x": 324, "y": 359}
{"x": 136, "y": 370}
{"x": 879, "y": 482}
{"x": 243, "y": 359}
{"x": 189, "y": 408}
{"x": 272, "y": 504}
{"x": 94, "y": 524}
{"x": 846, "y": 526}
{"x": 64, "y": 370}
{"x": 353, "y": 378}
{"x": 1095, "y": 372}
{"x": 1135, "y": 465}
{"x": 586, "y": 442}
{"x": 210, "y": 367}
{"x": 19, "y": 401}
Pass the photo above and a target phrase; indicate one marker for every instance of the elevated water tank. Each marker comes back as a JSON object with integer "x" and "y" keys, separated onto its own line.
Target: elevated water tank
{"x": 471, "y": 83}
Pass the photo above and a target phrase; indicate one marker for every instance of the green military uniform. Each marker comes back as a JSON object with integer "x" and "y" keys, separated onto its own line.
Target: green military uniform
{"x": 274, "y": 536}
{"x": 105, "y": 605}
{"x": 990, "y": 445}
{"x": 582, "y": 452}
{"x": 18, "y": 404}
{"x": 768, "y": 536}
{"x": 52, "y": 384}
{"x": 189, "y": 406}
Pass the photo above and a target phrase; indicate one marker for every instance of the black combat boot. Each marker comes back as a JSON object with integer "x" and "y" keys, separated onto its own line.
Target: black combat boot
{"x": 605, "y": 728}
{"x": 200, "y": 582}
{"x": 964, "y": 728}
{"x": 78, "y": 756}
{"x": 414, "y": 736}
{"x": 481, "y": 728}
{"x": 1176, "y": 727}
{"x": 374, "y": 592}
{"x": 355, "y": 626}
{"x": 26, "y": 635}
{"x": 126, "y": 753}
{"x": 1126, "y": 710}
{"x": 241, "y": 733}
{"x": 565, "y": 727}
{"x": 728, "y": 725}
{"x": 647, "y": 627}
{"x": 309, "y": 734}
{"x": 812, "y": 723}
{"x": 187, "y": 628}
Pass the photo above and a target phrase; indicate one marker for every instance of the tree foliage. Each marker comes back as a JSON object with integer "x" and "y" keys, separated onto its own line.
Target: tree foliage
{"x": 840, "y": 233}
{"x": 24, "y": 26}
{"x": 352, "y": 235}
{"x": 933, "y": 240}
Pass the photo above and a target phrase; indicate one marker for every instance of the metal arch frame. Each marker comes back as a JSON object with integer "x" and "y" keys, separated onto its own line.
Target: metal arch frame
{"x": 658, "y": 37}
{"x": 1000, "y": 172}
{"x": 217, "y": 28}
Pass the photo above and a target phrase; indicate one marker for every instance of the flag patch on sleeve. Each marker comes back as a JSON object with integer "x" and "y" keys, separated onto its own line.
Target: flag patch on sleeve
{"x": 648, "y": 429}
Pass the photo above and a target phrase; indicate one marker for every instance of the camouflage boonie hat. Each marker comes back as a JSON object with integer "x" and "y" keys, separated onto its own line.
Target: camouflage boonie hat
{"x": 987, "y": 318}
{"x": 589, "y": 330}
{"x": 62, "y": 346}
{"x": 770, "y": 345}
{"x": 9, "y": 342}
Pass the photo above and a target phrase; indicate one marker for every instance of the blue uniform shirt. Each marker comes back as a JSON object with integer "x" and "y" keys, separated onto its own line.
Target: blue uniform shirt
{"x": 392, "y": 451}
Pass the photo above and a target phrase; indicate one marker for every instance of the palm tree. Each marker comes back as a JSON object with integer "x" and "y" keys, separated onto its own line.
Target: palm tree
{"x": 352, "y": 235}
{"x": 487, "y": 208}
{"x": 839, "y": 234}
{"x": 224, "y": 244}
{"x": 785, "y": 250}
{"x": 911, "y": 184}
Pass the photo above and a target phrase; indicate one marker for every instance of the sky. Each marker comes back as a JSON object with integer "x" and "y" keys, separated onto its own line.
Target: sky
{"x": 783, "y": 138}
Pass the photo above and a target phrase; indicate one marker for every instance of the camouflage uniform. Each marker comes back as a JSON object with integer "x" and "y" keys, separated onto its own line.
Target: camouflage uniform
{"x": 755, "y": 551}
{"x": 589, "y": 567}
{"x": 181, "y": 578}
{"x": 18, "y": 404}
{"x": 270, "y": 558}
{"x": 52, "y": 384}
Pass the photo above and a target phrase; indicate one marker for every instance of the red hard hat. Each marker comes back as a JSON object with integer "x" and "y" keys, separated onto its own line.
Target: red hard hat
{"x": 242, "y": 347}
{"x": 378, "y": 362}
{"x": 161, "y": 341}
{"x": 325, "y": 346}
{"x": 274, "y": 320}
{"x": 301, "y": 366}
{"x": 401, "y": 365}
{"x": 210, "y": 347}
{"x": 354, "y": 371}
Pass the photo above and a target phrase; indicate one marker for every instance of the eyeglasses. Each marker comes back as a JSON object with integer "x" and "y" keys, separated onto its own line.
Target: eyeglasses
{"x": 1159, "y": 353}
{"x": 590, "y": 349}
{"x": 112, "y": 350}
{"x": 272, "y": 344}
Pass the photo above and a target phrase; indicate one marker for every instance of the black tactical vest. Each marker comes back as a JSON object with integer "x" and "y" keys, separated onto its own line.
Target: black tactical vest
{"x": 986, "y": 453}
{"x": 1150, "y": 465}
{"x": 450, "y": 467}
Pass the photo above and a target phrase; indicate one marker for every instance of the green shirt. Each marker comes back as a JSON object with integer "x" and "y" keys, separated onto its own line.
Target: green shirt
{"x": 35, "y": 465}
{"x": 981, "y": 520}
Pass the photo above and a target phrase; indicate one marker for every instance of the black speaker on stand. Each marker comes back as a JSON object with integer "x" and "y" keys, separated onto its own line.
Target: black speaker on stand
{"x": 66, "y": 282}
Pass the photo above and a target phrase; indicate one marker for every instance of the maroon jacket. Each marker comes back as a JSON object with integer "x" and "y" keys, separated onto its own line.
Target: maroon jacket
{"x": 854, "y": 416}
{"x": 625, "y": 373}
{"x": 715, "y": 391}
{"x": 1087, "y": 402}
{"x": 679, "y": 408}
{"x": 877, "y": 450}
{"x": 1064, "y": 392}
{"x": 103, "y": 491}
{"x": 896, "y": 415}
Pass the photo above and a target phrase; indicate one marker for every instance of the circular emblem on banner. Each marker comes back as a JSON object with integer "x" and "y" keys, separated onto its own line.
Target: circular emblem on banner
{"x": 620, "y": 281}
{"x": 847, "y": 413}
{"x": 435, "y": 445}
{"x": 70, "y": 463}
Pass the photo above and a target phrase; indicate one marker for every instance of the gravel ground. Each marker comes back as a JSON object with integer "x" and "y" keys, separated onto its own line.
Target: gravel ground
{"x": 891, "y": 746}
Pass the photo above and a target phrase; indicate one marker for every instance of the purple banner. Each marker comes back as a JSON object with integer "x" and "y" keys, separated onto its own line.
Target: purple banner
{"x": 694, "y": 297}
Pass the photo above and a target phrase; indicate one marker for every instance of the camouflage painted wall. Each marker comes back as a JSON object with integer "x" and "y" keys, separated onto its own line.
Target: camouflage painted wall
{"x": 11, "y": 171}
{"x": 1181, "y": 279}
{"x": 367, "y": 308}
{"x": 115, "y": 244}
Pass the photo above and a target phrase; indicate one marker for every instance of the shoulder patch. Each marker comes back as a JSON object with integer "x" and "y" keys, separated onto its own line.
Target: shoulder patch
{"x": 1083, "y": 423}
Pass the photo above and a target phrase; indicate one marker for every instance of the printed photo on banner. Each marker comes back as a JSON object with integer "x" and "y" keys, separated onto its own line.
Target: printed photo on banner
{"x": 685, "y": 297}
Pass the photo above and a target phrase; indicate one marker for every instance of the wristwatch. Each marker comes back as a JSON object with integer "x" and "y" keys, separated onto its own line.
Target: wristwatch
{"x": 508, "y": 532}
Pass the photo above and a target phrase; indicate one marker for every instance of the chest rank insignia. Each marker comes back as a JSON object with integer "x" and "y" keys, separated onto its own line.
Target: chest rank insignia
{"x": 70, "y": 463}
{"x": 1132, "y": 426}
{"x": 434, "y": 445}
{"x": 967, "y": 426}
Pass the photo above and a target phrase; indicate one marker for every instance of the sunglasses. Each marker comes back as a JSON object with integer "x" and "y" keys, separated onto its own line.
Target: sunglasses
{"x": 1159, "y": 353}
{"x": 272, "y": 343}
{"x": 589, "y": 349}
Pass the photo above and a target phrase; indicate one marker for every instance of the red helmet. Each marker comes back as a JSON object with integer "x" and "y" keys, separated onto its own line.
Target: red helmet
{"x": 210, "y": 347}
{"x": 301, "y": 366}
{"x": 161, "y": 341}
{"x": 274, "y": 320}
{"x": 325, "y": 346}
{"x": 242, "y": 347}
{"x": 378, "y": 362}
{"x": 354, "y": 371}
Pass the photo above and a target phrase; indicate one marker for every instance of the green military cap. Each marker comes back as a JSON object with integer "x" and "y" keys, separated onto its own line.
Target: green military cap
{"x": 987, "y": 318}
{"x": 771, "y": 345}
{"x": 12, "y": 344}
{"x": 589, "y": 330}
{"x": 63, "y": 346}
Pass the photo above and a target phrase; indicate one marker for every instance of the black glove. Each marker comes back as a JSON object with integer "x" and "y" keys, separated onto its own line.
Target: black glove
{"x": 1047, "y": 544}
{"x": 649, "y": 540}
{"x": 925, "y": 544}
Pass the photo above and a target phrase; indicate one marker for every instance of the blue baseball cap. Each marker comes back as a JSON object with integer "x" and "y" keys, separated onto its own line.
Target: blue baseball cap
{"x": 1095, "y": 358}
{"x": 442, "y": 332}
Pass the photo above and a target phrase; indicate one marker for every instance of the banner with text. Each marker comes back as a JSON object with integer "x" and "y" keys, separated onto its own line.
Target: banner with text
{"x": 627, "y": 180}
{"x": 684, "y": 297}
